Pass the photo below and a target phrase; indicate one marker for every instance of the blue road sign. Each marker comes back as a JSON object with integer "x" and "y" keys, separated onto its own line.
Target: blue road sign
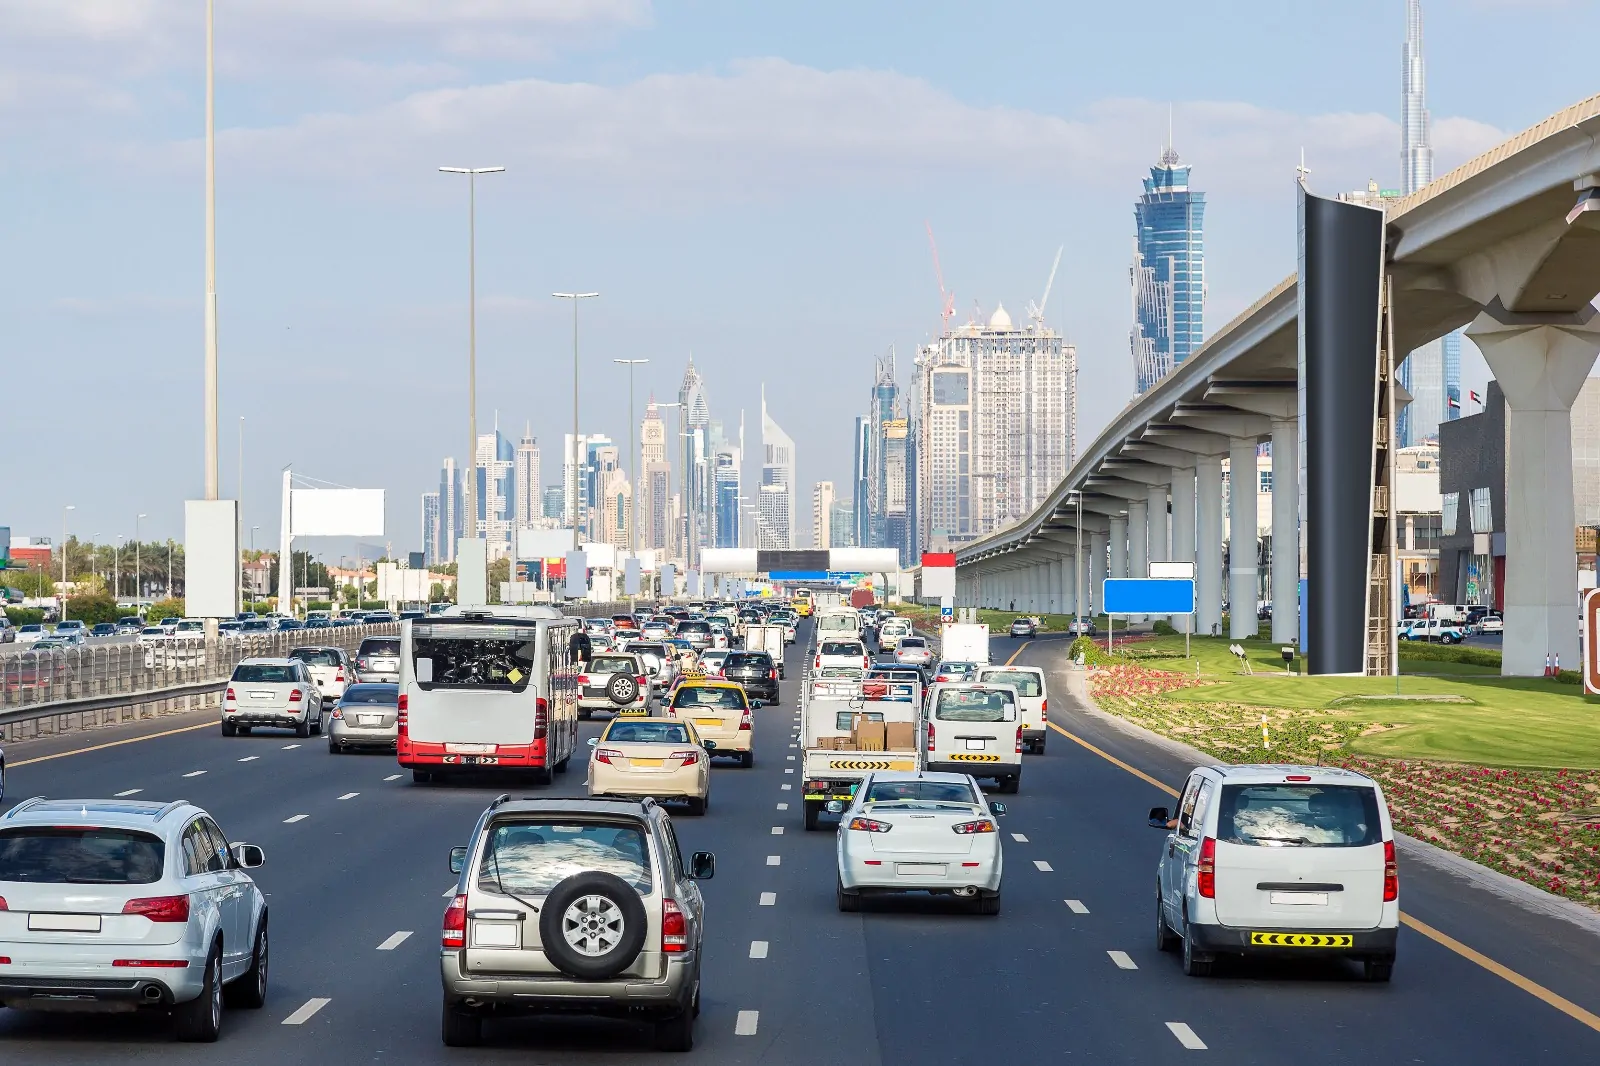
{"x": 1149, "y": 595}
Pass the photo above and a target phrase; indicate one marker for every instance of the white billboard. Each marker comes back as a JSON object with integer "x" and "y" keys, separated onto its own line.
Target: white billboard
{"x": 630, "y": 579}
{"x": 472, "y": 572}
{"x": 211, "y": 558}
{"x": 543, "y": 543}
{"x": 336, "y": 512}
{"x": 577, "y": 575}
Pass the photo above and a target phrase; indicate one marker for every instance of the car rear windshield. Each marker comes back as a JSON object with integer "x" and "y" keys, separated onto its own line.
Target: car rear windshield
{"x": 758, "y": 659}
{"x": 613, "y": 664}
{"x": 838, "y": 623}
{"x": 380, "y": 646}
{"x": 1026, "y": 682}
{"x": 913, "y": 642}
{"x": 532, "y": 857}
{"x": 316, "y": 656}
{"x": 79, "y": 856}
{"x": 694, "y": 627}
{"x": 698, "y": 696}
{"x": 1316, "y": 816}
{"x": 841, "y": 647}
{"x": 264, "y": 674}
{"x": 446, "y": 655}
{"x": 920, "y": 792}
{"x": 648, "y": 733}
{"x": 842, "y": 671}
{"x": 975, "y": 705}
{"x": 371, "y": 694}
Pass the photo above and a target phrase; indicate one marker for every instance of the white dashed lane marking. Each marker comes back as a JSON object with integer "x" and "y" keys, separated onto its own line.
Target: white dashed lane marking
{"x": 786, "y": 788}
{"x": 1019, "y": 838}
{"x": 788, "y": 769}
{"x": 1043, "y": 867}
{"x": 250, "y": 758}
{"x": 392, "y": 777}
{"x": 291, "y": 747}
{"x": 307, "y": 1009}
{"x": 774, "y": 860}
{"x": 194, "y": 773}
{"x": 777, "y": 830}
{"x": 783, "y": 806}
{"x": 349, "y": 795}
{"x": 395, "y": 941}
{"x": 1186, "y": 1036}
{"x": 746, "y": 1025}
{"x": 295, "y": 818}
{"x": 758, "y": 949}
{"x": 1076, "y": 906}
{"x": 769, "y": 899}
{"x": 130, "y": 792}
{"x": 791, "y": 758}
{"x": 1122, "y": 960}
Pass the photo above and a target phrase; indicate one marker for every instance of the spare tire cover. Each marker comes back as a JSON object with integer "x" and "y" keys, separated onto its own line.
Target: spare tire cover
{"x": 622, "y": 688}
{"x": 592, "y": 925}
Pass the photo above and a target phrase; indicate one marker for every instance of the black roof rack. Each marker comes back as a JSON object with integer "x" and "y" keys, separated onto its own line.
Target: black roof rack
{"x": 504, "y": 797}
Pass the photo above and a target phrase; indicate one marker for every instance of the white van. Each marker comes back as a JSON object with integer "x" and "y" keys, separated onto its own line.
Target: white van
{"x": 1033, "y": 697}
{"x": 1278, "y": 860}
{"x": 976, "y": 729}
{"x": 842, "y": 623}
{"x": 487, "y": 691}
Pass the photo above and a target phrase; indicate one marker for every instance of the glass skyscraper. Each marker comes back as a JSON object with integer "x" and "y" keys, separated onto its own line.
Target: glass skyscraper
{"x": 1169, "y": 271}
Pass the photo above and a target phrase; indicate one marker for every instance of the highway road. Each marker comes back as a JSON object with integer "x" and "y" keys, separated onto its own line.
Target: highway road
{"x": 357, "y": 877}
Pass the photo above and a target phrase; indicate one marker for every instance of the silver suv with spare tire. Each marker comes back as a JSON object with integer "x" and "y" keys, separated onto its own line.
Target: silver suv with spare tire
{"x": 615, "y": 682}
{"x": 574, "y": 906}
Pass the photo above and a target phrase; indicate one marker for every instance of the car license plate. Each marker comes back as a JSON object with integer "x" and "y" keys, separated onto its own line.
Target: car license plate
{"x": 369, "y": 719}
{"x": 261, "y": 695}
{"x": 1300, "y": 899}
{"x": 708, "y": 721}
{"x": 73, "y": 923}
{"x": 1302, "y": 940}
{"x": 919, "y": 869}
{"x": 975, "y": 745}
{"x": 471, "y": 760}
{"x": 470, "y": 749}
{"x": 494, "y": 936}
{"x": 648, "y": 762}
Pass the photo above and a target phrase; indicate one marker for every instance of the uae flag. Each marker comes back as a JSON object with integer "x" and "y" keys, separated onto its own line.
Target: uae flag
{"x": 1455, "y": 404}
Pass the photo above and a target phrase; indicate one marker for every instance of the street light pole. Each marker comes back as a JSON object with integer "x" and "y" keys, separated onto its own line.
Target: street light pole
{"x": 64, "y": 510}
{"x": 574, "y": 297}
{"x": 138, "y": 574}
{"x": 213, "y": 477}
{"x": 469, "y": 489}
{"x": 116, "y": 568}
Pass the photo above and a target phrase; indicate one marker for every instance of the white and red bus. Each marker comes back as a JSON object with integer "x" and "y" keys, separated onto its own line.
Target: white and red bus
{"x": 485, "y": 689}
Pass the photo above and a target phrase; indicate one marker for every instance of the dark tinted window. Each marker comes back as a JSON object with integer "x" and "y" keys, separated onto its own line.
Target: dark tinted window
{"x": 471, "y": 656}
{"x": 694, "y": 627}
{"x": 755, "y": 658}
{"x": 975, "y": 705}
{"x": 842, "y": 647}
{"x": 47, "y": 855}
{"x": 380, "y": 646}
{"x": 915, "y": 793}
{"x": 1316, "y": 816}
{"x": 371, "y": 694}
{"x": 265, "y": 674}
{"x": 648, "y": 733}
{"x": 531, "y": 858}
{"x": 1025, "y": 681}
{"x": 316, "y": 656}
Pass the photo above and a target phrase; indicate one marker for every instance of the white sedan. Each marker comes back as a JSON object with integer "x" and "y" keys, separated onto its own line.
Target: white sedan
{"x": 917, "y": 831}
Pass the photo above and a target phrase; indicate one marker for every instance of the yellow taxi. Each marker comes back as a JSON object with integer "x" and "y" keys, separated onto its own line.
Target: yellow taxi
{"x": 720, "y": 712}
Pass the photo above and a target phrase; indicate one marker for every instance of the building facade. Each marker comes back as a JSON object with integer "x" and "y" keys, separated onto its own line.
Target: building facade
{"x": 430, "y": 528}
{"x": 861, "y": 483}
{"x": 778, "y": 475}
{"x": 1169, "y": 271}
{"x": 528, "y": 507}
{"x": 841, "y": 525}
{"x": 555, "y": 506}
{"x": 452, "y": 524}
{"x": 772, "y": 518}
{"x": 822, "y": 515}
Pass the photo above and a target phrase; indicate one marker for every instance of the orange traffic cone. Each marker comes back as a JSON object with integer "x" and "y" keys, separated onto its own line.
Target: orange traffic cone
{"x": 1555, "y": 671}
{"x": 1547, "y": 664}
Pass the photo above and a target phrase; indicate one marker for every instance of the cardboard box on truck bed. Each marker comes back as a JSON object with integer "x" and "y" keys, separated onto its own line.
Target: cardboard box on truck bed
{"x": 867, "y": 735}
{"x": 902, "y": 736}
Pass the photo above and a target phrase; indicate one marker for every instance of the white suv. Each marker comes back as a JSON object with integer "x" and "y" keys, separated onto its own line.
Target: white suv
{"x": 1278, "y": 860}
{"x": 840, "y": 651}
{"x": 123, "y": 905}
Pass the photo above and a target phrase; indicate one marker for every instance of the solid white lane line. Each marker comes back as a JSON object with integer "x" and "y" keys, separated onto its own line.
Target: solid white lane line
{"x": 194, "y": 773}
{"x": 758, "y": 949}
{"x": 1019, "y": 838}
{"x": 777, "y": 830}
{"x": 1186, "y": 1036}
{"x": 290, "y": 747}
{"x": 774, "y": 860}
{"x": 746, "y": 1025}
{"x": 349, "y": 795}
{"x": 250, "y": 758}
{"x": 310, "y": 1007}
{"x": 392, "y": 777}
{"x": 769, "y": 899}
{"x": 394, "y": 941}
{"x": 1042, "y": 866}
{"x": 296, "y": 818}
{"x": 130, "y": 792}
{"x": 1076, "y": 906}
{"x": 783, "y": 806}
{"x": 1122, "y": 960}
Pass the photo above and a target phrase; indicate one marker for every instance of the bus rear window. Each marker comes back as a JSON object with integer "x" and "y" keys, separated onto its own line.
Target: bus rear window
{"x": 499, "y": 657}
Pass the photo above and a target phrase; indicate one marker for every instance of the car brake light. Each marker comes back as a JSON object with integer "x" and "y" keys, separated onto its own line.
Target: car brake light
{"x": 688, "y": 755}
{"x": 339, "y": 676}
{"x": 1391, "y": 873}
{"x": 162, "y": 964}
{"x": 541, "y": 719}
{"x": 229, "y": 696}
{"x": 819, "y": 661}
{"x": 982, "y": 825}
{"x": 772, "y": 675}
{"x": 295, "y": 696}
{"x": 1044, "y": 706}
{"x": 338, "y": 711}
{"x": 869, "y": 825}
{"x": 930, "y": 736}
{"x": 2, "y": 903}
{"x": 159, "y": 908}
{"x": 583, "y": 679}
{"x": 1206, "y": 883}
{"x": 605, "y": 755}
{"x": 1298, "y": 777}
{"x": 1019, "y": 740}
{"x": 455, "y": 924}
{"x": 674, "y": 928}
{"x": 641, "y": 681}
{"x": 745, "y": 721}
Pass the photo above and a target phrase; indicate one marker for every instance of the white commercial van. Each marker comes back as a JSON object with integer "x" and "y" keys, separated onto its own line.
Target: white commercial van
{"x": 1033, "y": 697}
{"x": 488, "y": 691}
{"x": 843, "y": 623}
{"x": 976, "y": 729}
{"x": 1279, "y": 860}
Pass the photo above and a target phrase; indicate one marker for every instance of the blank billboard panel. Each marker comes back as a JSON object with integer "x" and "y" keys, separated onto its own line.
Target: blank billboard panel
{"x": 211, "y": 558}
{"x": 336, "y": 512}
{"x": 543, "y": 543}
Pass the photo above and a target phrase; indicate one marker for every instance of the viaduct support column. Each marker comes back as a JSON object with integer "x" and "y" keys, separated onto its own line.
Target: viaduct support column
{"x": 1541, "y": 366}
{"x": 1156, "y": 529}
{"x": 1208, "y": 560}
{"x": 1183, "y": 532}
{"x": 1242, "y": 544}
{"x": 1097, "y": 569}
{"x": 1119, "y": 545}
{"x": 1285, "y": 531}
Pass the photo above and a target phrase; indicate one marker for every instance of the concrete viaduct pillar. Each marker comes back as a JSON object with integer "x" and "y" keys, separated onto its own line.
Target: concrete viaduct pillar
{"x": 1242, "y": 543}
{"x": 1208, "y": 544}
{"x": 1183, "y": 529}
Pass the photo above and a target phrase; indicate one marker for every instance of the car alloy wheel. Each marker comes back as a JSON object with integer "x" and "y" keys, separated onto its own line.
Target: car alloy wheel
{"x": 592, "y": 925}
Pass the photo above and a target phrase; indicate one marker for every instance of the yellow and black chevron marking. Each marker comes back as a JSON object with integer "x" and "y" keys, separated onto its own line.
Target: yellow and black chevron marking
{"x": 962, "y": 756}
{"x": 868, "y": 764}
{"x": 1302, "y": 940}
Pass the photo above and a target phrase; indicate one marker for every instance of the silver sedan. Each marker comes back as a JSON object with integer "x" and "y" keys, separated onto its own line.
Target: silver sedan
{"x": 366, "y": 716}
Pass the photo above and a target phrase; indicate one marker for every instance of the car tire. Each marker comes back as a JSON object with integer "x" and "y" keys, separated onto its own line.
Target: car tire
{"x": 420, "y": 777}
{"x": 677, "y": 1032}
{"x": 459, "y": 1028}
{"x": 697, "y": 805}
{"x": 302, "y": 729}
{"x": 1378, "y": 970}
{"x": 584, "y": 714}
{"x": 249, "y": 990}
{"x": 813, "y": 812}
{"x": 987, "y": 905}
{"x": 1165, "y": 939}
{"x": 1009, "y": 785}
{"x": 621, "y": 690}
{"x": 229, "y": 729}
{"x": 747, "y": 759}
{"x": 849, "y": 902}
{"x": 199, "y": 1021}
{"x": 1195, "y": 963}
{"x": 333, "y": 749}
{"x": 592, "y": 906}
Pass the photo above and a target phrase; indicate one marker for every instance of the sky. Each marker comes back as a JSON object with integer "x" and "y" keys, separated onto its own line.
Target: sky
{"x": 746, "y": 183}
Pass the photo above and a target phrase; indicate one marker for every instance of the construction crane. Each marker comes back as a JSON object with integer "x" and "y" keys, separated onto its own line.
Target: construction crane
{"x": 1036, "y": 311}
{"x": 947, "y": 299}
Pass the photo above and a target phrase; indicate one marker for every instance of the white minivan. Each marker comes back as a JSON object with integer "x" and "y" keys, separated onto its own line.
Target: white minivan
{"x": 1032, "y": 696}
{"x": 1278, "y": 860}
{"x": 975, "y": 729}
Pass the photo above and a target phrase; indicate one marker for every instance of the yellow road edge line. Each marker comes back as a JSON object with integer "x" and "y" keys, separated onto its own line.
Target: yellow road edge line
{"x": 1018, "y": 652}
{"x": 114, "y": 744}
{"x": 1500, "y": 970}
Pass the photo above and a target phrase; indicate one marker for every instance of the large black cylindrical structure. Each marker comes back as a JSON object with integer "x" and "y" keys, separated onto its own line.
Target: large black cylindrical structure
{"x": 1340, "y": 293}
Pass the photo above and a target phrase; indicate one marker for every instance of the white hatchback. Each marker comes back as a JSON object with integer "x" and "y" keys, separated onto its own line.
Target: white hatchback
{"x": 915, "y": 831}
{"x": 1278, "y": 860}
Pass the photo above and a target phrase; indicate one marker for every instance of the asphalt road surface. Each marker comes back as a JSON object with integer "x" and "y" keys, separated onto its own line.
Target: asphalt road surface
{"x": 788, "y": 979}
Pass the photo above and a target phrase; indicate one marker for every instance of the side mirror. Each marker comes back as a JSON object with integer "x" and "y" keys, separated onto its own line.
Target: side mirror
{"x": 458, "y": 859}
{"x": 709, "y": 745}
{"x": 703, "y": 866}
{"x": 756, "y": 705}
{"x": 594, "y": 741}
{"x": 997, "y": 809}
{"x": 1159, "y": 817}
{"x": 248, "y": 856}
